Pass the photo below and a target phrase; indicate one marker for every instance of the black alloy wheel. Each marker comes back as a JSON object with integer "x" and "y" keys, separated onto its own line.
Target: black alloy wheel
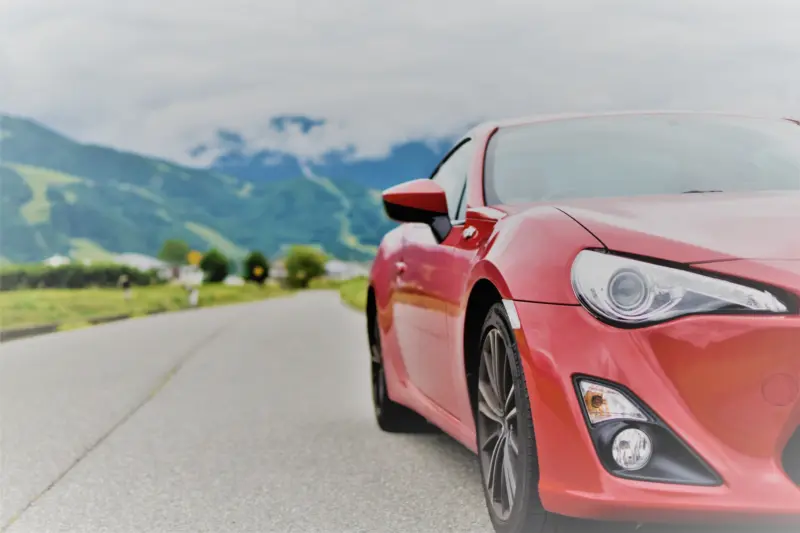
{"x": 497, "y": 416}
{"x": 506, "y": 441}
{"x": 378, "y": 377}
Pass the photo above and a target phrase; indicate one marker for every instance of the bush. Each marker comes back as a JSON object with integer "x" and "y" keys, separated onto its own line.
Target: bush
{"x": 304, "y": 263}
{"x": 72, "y": 276}
{"x": 256, "y": 267}
{"x": 215, "y": 266}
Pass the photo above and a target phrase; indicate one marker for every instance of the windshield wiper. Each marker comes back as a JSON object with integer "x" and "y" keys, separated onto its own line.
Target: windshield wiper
{"x": 699, "y": 191}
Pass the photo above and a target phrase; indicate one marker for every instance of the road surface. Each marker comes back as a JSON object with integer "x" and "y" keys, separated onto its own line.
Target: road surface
{"x": 247, "y": 418}
{"x": 253, "y": 417}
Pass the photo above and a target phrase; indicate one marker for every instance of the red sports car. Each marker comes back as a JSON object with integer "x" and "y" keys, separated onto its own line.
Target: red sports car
{"x": 605, "y": 309}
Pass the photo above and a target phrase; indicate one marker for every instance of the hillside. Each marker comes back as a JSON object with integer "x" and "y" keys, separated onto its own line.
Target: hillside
{"x": 407, "y": 160}
{"x": 60, "y": 196}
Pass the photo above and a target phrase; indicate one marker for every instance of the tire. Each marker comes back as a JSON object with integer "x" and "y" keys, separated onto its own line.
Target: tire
{"x": 391, "y": 416}
{"x": 505, "y": 427}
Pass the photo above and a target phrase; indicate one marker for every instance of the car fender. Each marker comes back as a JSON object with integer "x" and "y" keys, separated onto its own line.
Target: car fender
{"x": 529, "y": 256}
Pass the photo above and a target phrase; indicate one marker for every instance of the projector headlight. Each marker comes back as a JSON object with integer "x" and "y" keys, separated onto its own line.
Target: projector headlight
{"x": 628, "y": 291}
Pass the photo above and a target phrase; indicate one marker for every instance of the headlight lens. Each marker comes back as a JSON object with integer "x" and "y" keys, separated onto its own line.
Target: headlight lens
{"x": 635, "y": 292}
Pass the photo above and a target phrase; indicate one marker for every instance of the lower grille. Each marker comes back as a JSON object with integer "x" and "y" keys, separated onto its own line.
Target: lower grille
{"x": 791, "y": 457}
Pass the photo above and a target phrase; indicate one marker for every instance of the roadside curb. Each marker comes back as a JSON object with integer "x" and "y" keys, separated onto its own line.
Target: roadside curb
{"x": 23, "y": 332}
{"x": 11, "y": 334}
{"x": 106, "y": 319}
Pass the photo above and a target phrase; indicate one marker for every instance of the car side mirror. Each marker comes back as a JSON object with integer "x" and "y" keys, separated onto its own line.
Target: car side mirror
{"x": 421, "y": 201}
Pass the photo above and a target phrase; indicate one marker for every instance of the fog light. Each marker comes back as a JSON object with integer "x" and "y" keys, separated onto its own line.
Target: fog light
{"x": 632, "y": 449}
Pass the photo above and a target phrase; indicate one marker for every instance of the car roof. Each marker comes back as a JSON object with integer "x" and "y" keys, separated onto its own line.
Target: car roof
{"x": 533, "y": 119}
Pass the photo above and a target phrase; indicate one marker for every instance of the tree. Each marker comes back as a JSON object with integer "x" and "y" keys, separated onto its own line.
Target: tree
{"x": 174, "y": 252}
{"x": 256, "y": 267}
{"x": 215, "y": 266}
{"x": 304, "y": 263}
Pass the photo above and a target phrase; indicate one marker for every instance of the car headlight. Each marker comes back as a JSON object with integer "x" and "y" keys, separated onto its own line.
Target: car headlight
{"x": 628, "y": 291}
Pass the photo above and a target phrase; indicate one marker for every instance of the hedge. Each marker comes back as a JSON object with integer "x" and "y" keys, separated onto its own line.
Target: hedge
{"x": 73, "y": 276}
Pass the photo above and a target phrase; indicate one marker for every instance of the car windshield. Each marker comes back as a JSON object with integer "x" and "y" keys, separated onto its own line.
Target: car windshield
{"x": 631, "y": 155}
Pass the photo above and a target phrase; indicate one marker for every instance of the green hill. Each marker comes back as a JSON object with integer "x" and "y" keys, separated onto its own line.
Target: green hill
{"x": 58, "y": 196}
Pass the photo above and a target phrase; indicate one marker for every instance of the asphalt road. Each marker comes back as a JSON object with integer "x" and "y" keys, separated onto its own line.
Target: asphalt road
{"x": 247, "y": 418}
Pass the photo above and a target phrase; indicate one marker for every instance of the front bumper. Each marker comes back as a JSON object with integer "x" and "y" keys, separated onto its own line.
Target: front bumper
{"x": 728, "y": 386}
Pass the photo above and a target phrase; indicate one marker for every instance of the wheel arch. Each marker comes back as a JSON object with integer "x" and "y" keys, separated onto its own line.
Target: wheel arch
{"x": 483, "y": 295}
{"x": 531, "y": 256}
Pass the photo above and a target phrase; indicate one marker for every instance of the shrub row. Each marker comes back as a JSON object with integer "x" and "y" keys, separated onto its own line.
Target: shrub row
{"x": 73, "y": 276}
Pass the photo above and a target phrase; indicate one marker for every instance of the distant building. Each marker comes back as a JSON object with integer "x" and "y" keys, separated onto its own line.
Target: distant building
{"x": 233, "y": 280}
{"x": 185, "y": 274}
{"x": 140, "y": 261}
{"x": 341, "y": 270}
{"x": 277, "y": 270}
{"x": 334, "y": 269}
{"x": 57, "y": 260}
{"x": 144, "y": 262}
{"x": 190, "y": 275}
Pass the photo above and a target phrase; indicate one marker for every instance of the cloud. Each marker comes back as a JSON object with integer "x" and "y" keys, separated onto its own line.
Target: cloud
{"x": 163, "y": 77}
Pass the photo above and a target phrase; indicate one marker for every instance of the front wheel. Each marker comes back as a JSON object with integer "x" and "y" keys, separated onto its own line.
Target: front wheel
{"x": 506, "y": 442}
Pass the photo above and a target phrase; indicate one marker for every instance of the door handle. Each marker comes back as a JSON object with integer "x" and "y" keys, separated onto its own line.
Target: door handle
{"x": 469, "y": 232}
{"x": 401, "y": 268}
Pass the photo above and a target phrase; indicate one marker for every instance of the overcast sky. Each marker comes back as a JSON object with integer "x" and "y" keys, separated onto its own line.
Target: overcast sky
{"x": 161, "y": 76}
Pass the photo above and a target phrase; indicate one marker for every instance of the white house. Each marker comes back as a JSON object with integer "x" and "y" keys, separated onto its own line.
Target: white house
{"x": 336, "y": 269}
{"x": 143, "y": 262}
{"x": 57, "y": 260}
{"x": 234, "y": 280}
{"x": 277, "y": 270}
{"x": 140, "y": 261}
{"x": 187, "y": 274}
{"x": 190, "y": 275}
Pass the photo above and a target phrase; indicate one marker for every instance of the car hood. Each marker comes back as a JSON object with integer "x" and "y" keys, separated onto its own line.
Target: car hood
{"x": 693, "y": 228}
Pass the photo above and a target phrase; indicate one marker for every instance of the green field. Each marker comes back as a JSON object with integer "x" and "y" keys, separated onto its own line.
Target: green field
{"x": 74, "y": 307}
{"x": 354, "y": 293}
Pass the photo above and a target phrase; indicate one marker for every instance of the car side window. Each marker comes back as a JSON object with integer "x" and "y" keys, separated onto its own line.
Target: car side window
{"x": 452, "y": 177}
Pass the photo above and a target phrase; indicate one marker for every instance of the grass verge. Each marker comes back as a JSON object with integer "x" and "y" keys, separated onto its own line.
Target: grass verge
{"x": 73, "y": 308}
{"x": 354, "y": 293}
{"x": 325, "y": 283}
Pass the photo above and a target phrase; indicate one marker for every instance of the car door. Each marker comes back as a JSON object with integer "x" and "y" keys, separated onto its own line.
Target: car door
{"x": 425, "y": 280}
{"x": 464, "y": 244}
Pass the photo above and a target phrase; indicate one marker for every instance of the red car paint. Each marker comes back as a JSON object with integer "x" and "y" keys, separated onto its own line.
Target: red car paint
{"x": 729, "y": 386}
{"x": 709, "y": 227}
{"x": 418, "y": 194}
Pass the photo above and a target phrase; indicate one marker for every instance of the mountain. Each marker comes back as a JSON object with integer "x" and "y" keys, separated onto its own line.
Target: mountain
{"x": 405, "y": 161}
{"x": 58, "y": 196}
